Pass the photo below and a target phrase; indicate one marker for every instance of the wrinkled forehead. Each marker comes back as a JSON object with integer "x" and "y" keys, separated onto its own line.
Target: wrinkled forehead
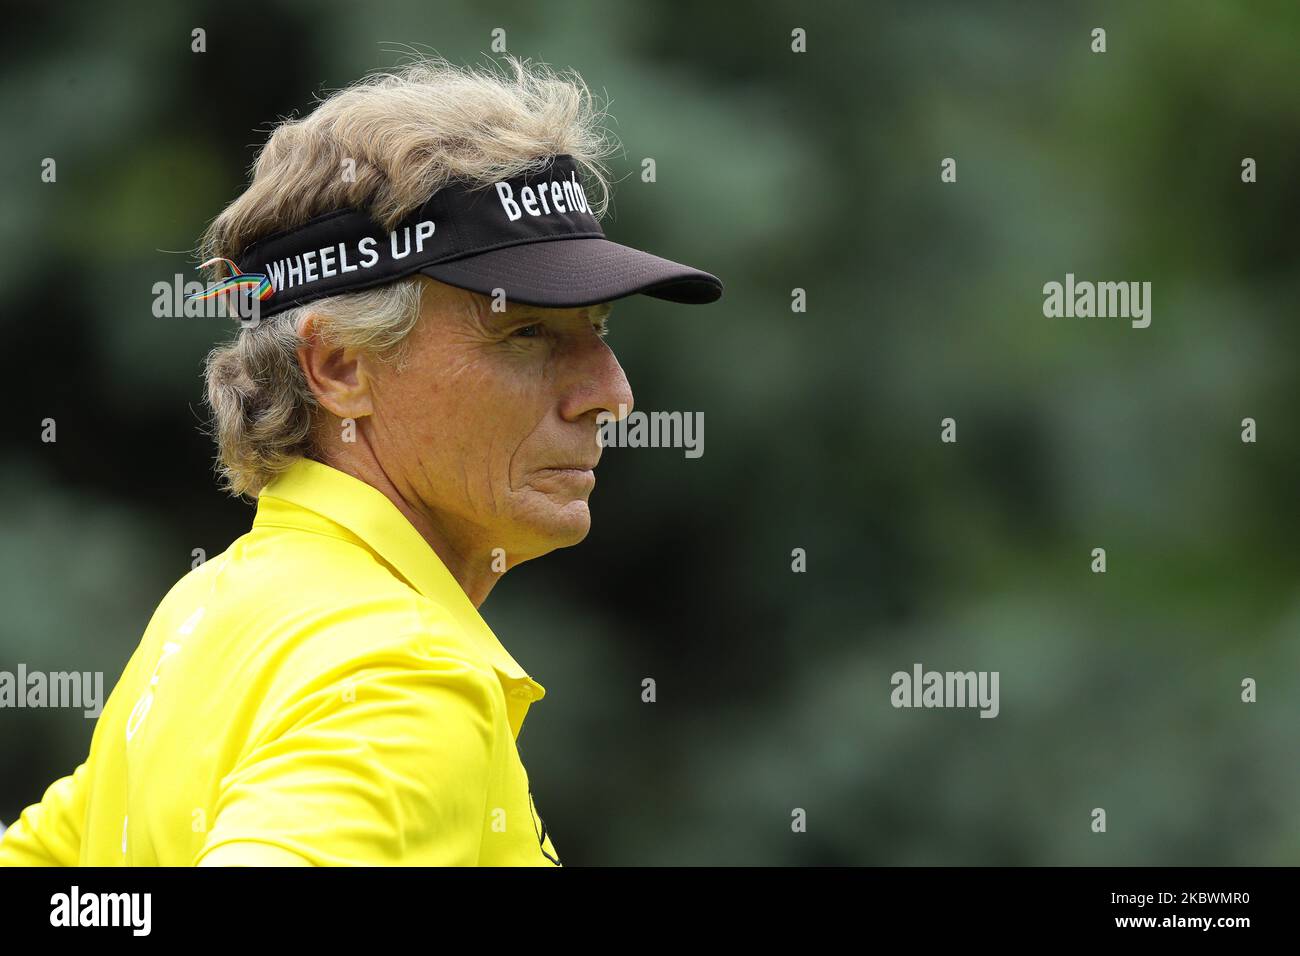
{"x": 491, "y": 311}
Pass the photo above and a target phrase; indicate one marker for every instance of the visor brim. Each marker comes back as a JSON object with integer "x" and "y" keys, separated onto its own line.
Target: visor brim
{"x": 570, "y": 273}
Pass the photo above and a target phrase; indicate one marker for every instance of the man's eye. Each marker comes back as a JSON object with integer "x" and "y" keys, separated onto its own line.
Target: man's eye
{"x": 601, "y": 327}
{"x": 529, "y": 331}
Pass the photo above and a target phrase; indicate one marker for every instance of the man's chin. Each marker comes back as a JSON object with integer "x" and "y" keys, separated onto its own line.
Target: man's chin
{"x": 572, "y": 523}
{"x": 562, "y": 526}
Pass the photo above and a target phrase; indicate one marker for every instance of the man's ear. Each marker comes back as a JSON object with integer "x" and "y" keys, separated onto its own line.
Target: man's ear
{"x": 337, "y": 376}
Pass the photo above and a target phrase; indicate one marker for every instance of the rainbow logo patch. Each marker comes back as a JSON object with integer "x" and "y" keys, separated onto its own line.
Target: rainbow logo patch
{"x": 256, "y": 283}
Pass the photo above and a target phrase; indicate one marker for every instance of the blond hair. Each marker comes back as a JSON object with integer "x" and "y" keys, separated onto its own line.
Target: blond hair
{"x": 401, "y": 135}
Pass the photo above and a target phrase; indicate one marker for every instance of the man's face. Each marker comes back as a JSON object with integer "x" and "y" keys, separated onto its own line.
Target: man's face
{"x": 490, "y": 428}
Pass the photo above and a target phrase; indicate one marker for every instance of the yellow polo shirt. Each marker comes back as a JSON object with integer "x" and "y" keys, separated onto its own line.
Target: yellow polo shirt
{"x": 322, "y": 692}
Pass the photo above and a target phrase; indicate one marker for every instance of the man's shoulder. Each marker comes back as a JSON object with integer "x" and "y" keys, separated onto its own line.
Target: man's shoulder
{"x": 343, "y": 627}
{"x": 311, "y": 605}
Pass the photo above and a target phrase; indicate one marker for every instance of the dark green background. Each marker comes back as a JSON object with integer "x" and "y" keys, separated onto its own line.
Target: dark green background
{"x": 775, "y": 171}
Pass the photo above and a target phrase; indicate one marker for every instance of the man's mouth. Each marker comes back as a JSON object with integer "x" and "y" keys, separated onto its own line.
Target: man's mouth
{"x": 578, "y": 464}
{"x": 580, "y": 473}
{"x": 568, "y": 470}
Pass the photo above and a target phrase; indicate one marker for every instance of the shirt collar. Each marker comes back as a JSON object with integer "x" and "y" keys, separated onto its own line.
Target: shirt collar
{"x": 316, "y": 491}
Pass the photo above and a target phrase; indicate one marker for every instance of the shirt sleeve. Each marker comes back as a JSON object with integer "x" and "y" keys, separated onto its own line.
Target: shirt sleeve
{"x": 49, "y": 833}
{"x": 383, "y": 761}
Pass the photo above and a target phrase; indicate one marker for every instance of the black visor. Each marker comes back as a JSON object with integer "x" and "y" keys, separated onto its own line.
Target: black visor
{"x": 531, "y": 238}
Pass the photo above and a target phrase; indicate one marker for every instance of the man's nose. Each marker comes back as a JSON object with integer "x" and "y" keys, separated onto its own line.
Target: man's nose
{"x": 596, "y": 382}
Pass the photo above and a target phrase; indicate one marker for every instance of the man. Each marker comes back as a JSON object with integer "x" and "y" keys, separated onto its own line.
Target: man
{"x": 416, "y": 411}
